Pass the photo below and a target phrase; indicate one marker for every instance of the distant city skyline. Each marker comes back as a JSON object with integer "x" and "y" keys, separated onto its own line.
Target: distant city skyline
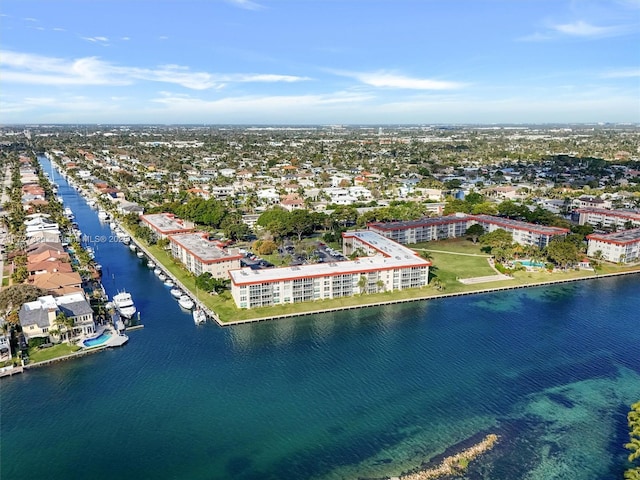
{"x": 320, "y": 61}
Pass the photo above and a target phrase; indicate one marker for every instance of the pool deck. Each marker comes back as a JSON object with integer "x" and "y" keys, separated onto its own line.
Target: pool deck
{"x": 115, "y": 340}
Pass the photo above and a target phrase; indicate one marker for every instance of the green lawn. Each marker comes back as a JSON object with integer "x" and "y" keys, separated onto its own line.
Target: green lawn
{"x": 40, "y": 355}
{"x": 458, "y": 245}
{"x": 447, "y": 267}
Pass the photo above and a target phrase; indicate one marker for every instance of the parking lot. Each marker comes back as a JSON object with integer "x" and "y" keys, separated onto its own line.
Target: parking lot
{"x": 322, "y": 254}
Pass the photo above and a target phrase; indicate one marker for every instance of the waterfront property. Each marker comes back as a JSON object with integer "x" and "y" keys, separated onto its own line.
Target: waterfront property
{"x": 384, "y": 266}
{"x": 200, "y": 255}
{"x": 424, "y": 229}
{"x": 523, "y": 233}
{"x": 453, "y": 226}
{"x": 608, "y": 219}
{"x": 39, "y": 318}
{"x": 622, "y": 247}
{"x": 165, "y": 224}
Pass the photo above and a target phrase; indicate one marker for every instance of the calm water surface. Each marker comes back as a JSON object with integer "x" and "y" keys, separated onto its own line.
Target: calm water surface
{"x": 356, "y": 394}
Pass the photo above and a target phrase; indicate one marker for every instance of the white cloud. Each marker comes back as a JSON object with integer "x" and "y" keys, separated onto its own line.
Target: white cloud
{"x": 40, "y": 70}
{"x": 383, "y": 79}
{"x": 262, "y": 106}
{"x": 246, "y": 4}
{"x": 584, "y": 29}
{"x": 624, "y": 73}
{"x": 265, "y": 77}
{"x": 104, "y": 41}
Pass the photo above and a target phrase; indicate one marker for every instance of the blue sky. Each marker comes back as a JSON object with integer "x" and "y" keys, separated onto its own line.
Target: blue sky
{"x": 319, "y": 61}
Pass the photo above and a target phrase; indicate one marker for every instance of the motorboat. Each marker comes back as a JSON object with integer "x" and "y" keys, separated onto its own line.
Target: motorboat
{"x": 162, "y": 277}
{"x": 151, "y": 264}
{"x": 132, "y": 247}
{"x": 113, "y": 225}
{"x": 157, "y": 271}
{"x": 103, "y": 215}
{"x": 168, "y": 283}
{"x": 199, "y": 317}
{"x": 68, "y": 213}
{"x": 185, "y": 302}
{"x": 176, "y": 292}
{"x": 124, "y": 304}
{"x": 140, "y": 254}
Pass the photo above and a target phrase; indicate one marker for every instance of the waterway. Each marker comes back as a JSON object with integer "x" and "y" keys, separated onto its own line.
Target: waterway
{"x": 356, "y": 394}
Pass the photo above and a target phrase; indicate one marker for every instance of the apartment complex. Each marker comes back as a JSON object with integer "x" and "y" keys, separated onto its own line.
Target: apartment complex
{"x": 422, "y": 230}
{"x": 452, "y": 226}
{"x": 523, "y": 233}
{"x": 386, "y": 266}
{"x": 200, "y": 255}
{"x": 602, "y": 218}
{"x": 165, "y": 224}
{"x": 623, "y": 247}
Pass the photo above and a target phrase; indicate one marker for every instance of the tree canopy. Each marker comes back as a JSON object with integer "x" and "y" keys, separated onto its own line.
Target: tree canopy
{"x": 563, "y": 252}
{"x": 14, "y": 296}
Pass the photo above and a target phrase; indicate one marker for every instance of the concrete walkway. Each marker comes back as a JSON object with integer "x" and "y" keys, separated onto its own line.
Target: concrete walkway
{"x": 455, "y": 253}
{"x": 489, "y": 278}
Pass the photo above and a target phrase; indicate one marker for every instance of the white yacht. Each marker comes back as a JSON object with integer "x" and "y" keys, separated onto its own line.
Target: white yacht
{"x": 176, "y": 292}
{"x": 124, "y": 304}
{"x": 199, "y": 317}
{"x": 185, "y": 302}
{"x": 168, "y": 283}
{"x": 151, "y": 264}
{"x": 68, "y": 213}
{"x": 103, "y": 215}
{"x": 157, "y": 271}
{"x": 140, "y": 254}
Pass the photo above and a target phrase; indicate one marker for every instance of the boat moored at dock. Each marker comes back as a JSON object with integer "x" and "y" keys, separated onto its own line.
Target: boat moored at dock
{"x": 124, "y": 304}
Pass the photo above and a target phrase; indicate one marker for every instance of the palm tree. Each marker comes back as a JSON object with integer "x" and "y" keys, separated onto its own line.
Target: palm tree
{"x": 61, "y": 324}
{"x": 362, "y": 283}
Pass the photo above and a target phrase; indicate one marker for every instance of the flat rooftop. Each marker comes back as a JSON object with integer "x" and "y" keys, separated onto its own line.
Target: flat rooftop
{"x": 205, "y": 250}
{"x": 165, "y": 223}
{"x": 392, "y": 256}
{"x": 518, "y": 225}
{"x": 622, "y": 237}
{"x": 420, "y": 222}
{"x": 612, "y": 213}
{"x": 385, "y": 246}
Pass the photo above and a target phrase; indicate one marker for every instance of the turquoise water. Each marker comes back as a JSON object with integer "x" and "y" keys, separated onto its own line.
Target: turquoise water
{"x": 530, "y": 263}
{"x": 99, "y": 340}
{"x": 359, "y": 394}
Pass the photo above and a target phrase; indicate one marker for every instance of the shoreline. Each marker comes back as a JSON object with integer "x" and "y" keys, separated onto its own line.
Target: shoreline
{"x": 263, "y": 318}
{"x": 423, "y": 298}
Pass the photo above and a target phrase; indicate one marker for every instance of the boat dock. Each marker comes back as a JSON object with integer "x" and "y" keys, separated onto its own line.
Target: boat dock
{"x": 10, "y": 371}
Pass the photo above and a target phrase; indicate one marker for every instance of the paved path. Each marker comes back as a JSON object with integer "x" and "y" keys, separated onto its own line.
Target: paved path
{"x": 455, "y": 253}
{"x": 488, "y": 278}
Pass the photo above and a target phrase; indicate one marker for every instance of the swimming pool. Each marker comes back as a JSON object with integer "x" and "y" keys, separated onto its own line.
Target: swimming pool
{"x": 99, "y": 340}
{"x": 530, "y": 263}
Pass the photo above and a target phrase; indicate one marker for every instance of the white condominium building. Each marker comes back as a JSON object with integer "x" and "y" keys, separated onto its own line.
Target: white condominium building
{"x": 385, "y": 265}
{"x": 165, "y": 224}
{"x": 200, "y": 255}
{"x": 602, "y": 218}
{"x": 623, "y": 247}
{"x": 452, "y": 226}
